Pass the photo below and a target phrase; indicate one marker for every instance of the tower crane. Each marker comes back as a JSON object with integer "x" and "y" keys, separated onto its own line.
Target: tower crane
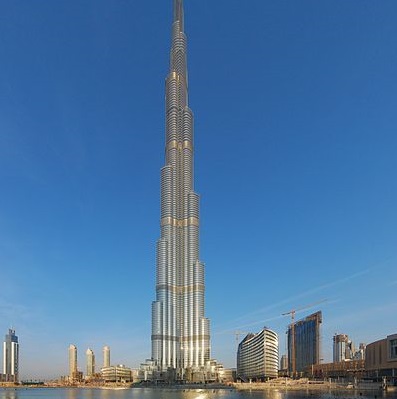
{"x": 292, "y": 313}
{"x": 237, "y": 334}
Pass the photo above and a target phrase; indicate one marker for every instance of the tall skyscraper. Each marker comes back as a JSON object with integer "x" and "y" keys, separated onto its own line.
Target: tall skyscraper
{"x": 106, "y": 356}
{"x": 180, "y": 330}
{"x": 90, "y": 362}
{"x": 306, "y": 343}
{"x": 72, "y": 362}
{"x": 11, "y": 356}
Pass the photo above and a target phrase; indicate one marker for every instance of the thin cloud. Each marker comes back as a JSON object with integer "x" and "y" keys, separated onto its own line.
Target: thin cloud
{"x": 295, "y": 298}
{"x": 14, "y": 313}
{"x": 362, "y": 314}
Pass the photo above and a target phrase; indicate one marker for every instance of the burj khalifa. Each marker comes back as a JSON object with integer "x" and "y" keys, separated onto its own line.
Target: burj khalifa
{"x": 180, "y": 330}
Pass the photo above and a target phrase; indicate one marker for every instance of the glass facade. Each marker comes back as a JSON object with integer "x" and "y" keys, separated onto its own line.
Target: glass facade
{"x": 393, "y": 347}
{"x": 180, "y": 331}
{"x": 11, "y": 356}
{"x": 306, "y": 343}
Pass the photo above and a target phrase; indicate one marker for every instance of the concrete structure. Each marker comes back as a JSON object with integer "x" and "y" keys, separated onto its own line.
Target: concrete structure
{"x": 119, "y": 373}
{"x": 283, "y": 371}
{"x": 90, "y": 357}
{"x": 11, "y": 357}
{"x": 257, "y": 356}
{"x": 340, "y": 346}
{"x": 344, "y": 349}
{"x": 147, "y": 370}
{"x": 360, "y": 353}
{"x": 306, "y": 343}
{"x": 381, "y": 359}
{"x": 73, "y": 374}
{"x": 106, "y": 356}
{"x": 227, "y": 376}
{"x": 350, "y": 370}
{"x": 180, "y": 331}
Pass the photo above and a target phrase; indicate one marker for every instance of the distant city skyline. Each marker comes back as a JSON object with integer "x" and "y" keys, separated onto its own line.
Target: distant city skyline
{"x": 295, "y": 160}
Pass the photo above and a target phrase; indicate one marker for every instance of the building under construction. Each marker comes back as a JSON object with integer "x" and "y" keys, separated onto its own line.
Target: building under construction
{"x": 304, "y": 344}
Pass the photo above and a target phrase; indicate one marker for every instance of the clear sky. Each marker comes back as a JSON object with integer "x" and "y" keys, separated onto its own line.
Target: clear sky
{"x": 295, "y": 108}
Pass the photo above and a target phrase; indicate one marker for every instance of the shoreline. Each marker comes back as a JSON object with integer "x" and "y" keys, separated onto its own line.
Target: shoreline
{"x": 311, "y": 386}
{"x": 290, "y": 385}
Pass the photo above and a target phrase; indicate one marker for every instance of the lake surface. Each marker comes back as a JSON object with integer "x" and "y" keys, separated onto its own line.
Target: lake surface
{"x": 148, "y": 393}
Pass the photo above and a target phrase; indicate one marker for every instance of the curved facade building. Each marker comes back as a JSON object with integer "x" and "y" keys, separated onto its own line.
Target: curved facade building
{"x": 381, "y": 359}
{"x": 180, "y": 330}
{"x": 257, "y": 356}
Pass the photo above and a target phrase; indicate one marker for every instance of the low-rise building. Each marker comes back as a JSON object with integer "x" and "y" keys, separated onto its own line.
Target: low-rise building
{"x": 347, "y": 369}
{"x": 381, "y": 359}
{"x": 118, "y": 373}
{"x": 147, "y": 371}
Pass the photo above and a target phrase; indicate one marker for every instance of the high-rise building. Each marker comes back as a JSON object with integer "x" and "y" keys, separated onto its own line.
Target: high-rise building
{"x": 340, "y": 347}
{"x": 90, "y": 362}
{"x": 360, "y": 353}
{"x": 257, "y": 356}
{"x": 11, "y": 356}
{"x": 106, "y": 356}
{"x": 284, "y": 363}
{"x": 345, "y": 350}
{"x": 306, "y": 343}
{"x": 180, "y": 331}
{"x": 72, "y": 362}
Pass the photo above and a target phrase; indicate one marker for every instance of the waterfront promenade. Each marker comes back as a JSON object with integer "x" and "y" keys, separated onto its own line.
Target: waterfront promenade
{"x": 304, "y": 384}
{"x": 188, "y": 393}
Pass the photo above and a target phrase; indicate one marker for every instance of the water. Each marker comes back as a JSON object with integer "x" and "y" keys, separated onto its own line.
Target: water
{"x": 147, "y": 393}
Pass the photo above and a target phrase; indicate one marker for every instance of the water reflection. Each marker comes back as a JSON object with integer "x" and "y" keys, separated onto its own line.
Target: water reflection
{"x": 10, "y": 394}
{"x": 72, "y": 394}
{"x": 147, "y": 393}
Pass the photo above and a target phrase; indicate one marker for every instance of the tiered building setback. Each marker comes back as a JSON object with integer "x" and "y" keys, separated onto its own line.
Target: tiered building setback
{"x": 180, "y": 330}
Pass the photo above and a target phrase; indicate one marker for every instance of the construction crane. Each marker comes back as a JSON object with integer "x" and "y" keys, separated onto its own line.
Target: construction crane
{"x": 237, "y": 334}
{"x": 292, "y": 313}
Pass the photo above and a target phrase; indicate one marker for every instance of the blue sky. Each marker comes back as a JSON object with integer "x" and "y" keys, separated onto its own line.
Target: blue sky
{"x": 295, "y": 138}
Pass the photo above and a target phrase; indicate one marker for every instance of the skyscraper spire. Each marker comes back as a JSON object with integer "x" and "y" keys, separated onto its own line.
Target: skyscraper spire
{"x": 180, "y": 330}
{"x": 178, "y": 12}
